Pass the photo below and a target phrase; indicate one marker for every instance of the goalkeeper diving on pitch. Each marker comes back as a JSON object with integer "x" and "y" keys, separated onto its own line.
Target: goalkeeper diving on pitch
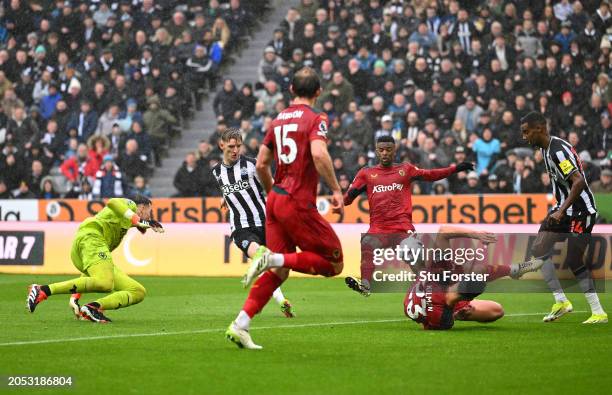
{"x": 91, "y": 251}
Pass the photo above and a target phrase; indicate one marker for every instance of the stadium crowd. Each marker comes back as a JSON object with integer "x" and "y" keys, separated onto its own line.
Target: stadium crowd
{"x": 92, "y": 93}
{"x": 449, "y": 80}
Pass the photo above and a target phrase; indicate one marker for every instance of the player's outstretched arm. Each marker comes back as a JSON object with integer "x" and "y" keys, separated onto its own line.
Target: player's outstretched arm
{"x": 264, "y": 161}
{"x": 323, "y": 164}
{"x": 120, "y": 208}
{"x": 441, "y": 173}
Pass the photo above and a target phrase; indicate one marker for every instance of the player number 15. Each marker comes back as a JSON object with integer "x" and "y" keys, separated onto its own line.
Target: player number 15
{"x": 283, "y": 140}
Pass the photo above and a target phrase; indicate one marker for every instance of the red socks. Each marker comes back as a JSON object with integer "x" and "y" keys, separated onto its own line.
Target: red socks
{"x": 309, "y": 263}
{"x": 497, "y": 271}
{"x": 261, "y": 292}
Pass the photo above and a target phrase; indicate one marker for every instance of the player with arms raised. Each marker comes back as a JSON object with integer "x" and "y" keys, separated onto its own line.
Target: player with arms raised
{"x": 572, "y": 218}
{"x": 91, "y": 251}
{"x": 388, "y": 186}
{"x": 297, "y": 141}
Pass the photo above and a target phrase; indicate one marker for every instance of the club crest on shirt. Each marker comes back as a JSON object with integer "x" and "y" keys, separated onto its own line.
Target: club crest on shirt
{"x": 373, "y": 175}
{"x": 402, "y": 173}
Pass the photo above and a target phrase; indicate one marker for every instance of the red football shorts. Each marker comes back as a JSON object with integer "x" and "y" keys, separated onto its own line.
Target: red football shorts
{"x": 291, "y": 224}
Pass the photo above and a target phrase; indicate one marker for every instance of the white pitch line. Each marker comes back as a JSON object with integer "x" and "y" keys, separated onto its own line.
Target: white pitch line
{"x": 211, "y": 330}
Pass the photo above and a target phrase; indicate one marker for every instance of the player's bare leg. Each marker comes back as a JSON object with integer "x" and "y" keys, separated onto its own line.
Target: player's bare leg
{"x": 480, "y": 311}
{"x": 285, "y": 306}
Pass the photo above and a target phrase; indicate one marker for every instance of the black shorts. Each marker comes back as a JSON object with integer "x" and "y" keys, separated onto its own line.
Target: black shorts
{"x": 581, "y": 224}
{"x": 244, "y": 237}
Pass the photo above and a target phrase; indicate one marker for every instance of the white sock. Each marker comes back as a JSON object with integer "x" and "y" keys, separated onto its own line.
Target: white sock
{"x": 278, "y": 296}
{"x": 243, "y": 321}
{"x": 560, "y": 296}
{"x": 593, "y": 300}
{"x": 277, "y": 260}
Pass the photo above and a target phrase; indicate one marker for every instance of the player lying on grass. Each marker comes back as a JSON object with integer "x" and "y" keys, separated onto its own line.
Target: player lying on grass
{"x": 389, "y": 190}
{"x": 297, "y": 141}
{"x": 437, "y": 304}
{"x": 571, "y": 219}
{"x": 244, "y": 195}
{"x": 91, "y": 251}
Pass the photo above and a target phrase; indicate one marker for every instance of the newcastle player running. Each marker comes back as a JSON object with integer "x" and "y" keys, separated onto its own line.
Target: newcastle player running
{"x": 243, "y": 194}
{"x": 572, "y": 218}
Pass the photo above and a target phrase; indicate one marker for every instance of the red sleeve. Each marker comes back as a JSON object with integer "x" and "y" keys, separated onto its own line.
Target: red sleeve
{"x": 318, "y": 130}
{"x": 268, "y": 140}
{"x": 357, "y": 187}
{"x": 417, "y": 174}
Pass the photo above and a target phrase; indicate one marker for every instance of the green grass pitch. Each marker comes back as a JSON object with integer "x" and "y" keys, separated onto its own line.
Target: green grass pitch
{"x": 340, "y": 342}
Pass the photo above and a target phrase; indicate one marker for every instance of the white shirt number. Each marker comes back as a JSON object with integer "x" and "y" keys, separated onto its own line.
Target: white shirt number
{"x": 283, "y": 140}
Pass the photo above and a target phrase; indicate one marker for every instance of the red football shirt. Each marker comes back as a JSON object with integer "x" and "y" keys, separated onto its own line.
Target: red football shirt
{"x": 390, "y": 195}
{"x": 289, "y": 137}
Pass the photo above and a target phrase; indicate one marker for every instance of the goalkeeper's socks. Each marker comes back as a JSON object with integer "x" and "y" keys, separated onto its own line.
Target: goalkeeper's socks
{"x": 45, "y": 289}
{"x": 243, "y": 321}
{"x": 309, "y": 263}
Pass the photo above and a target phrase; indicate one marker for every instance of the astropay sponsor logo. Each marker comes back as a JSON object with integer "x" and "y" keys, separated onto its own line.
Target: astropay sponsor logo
{"x": 388, "y": 188}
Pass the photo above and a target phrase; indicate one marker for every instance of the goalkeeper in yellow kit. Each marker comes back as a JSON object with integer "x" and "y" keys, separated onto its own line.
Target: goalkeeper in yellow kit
{"x": 91, "y": 251}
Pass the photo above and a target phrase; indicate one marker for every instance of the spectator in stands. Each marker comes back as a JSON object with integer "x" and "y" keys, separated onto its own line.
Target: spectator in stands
{"x": 49, "y": 101}
{"x": 200, "y": 70}
{"x": 469, "y": 113}
{"x": 140, "y": 188}
{"x": 85, "y": 121}
{"x": 108, "y": 120}
{"x": 47, "y": 189}
{"x": 492, "y": 184}
{"x": 98, "y": 148}
{"x": 133, "y": 161}
{"x": 269, "y": 96}
{"x": 268, "y": 65}
{"x": 158, "y": 122}
{"x": 486, "y": 149}
{"x": 226, "y": 102}
{"x": 35, "y": 177}
{"x": 5, "y": 193}
{"x": 21, "y": 129}
{"x": 473, "y": 184}
{"x": 73, "y": 167}
{"x": 188, "y": 178}
{"x": 604, "y": 184}
{"x": 23, "y": 192}
{"x": 81, "y": 190}
{"x": 109, "y": 181}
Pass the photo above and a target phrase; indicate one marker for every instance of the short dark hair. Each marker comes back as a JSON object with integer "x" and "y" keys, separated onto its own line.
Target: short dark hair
{"x": 306, "y": 83}
{"x": 141, "y": 199}
{"x": 534, "y": 119}
{"x": 231, "y": 133}
{"x": 385, "y": 139}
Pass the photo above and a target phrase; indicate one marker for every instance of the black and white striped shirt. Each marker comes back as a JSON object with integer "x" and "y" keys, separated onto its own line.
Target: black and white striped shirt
{"x": 242, "y": 192}
{"x": 561, "y": 162}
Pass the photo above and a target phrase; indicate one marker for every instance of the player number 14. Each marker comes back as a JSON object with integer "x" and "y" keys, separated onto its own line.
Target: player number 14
{"x": 283, "y": 140}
